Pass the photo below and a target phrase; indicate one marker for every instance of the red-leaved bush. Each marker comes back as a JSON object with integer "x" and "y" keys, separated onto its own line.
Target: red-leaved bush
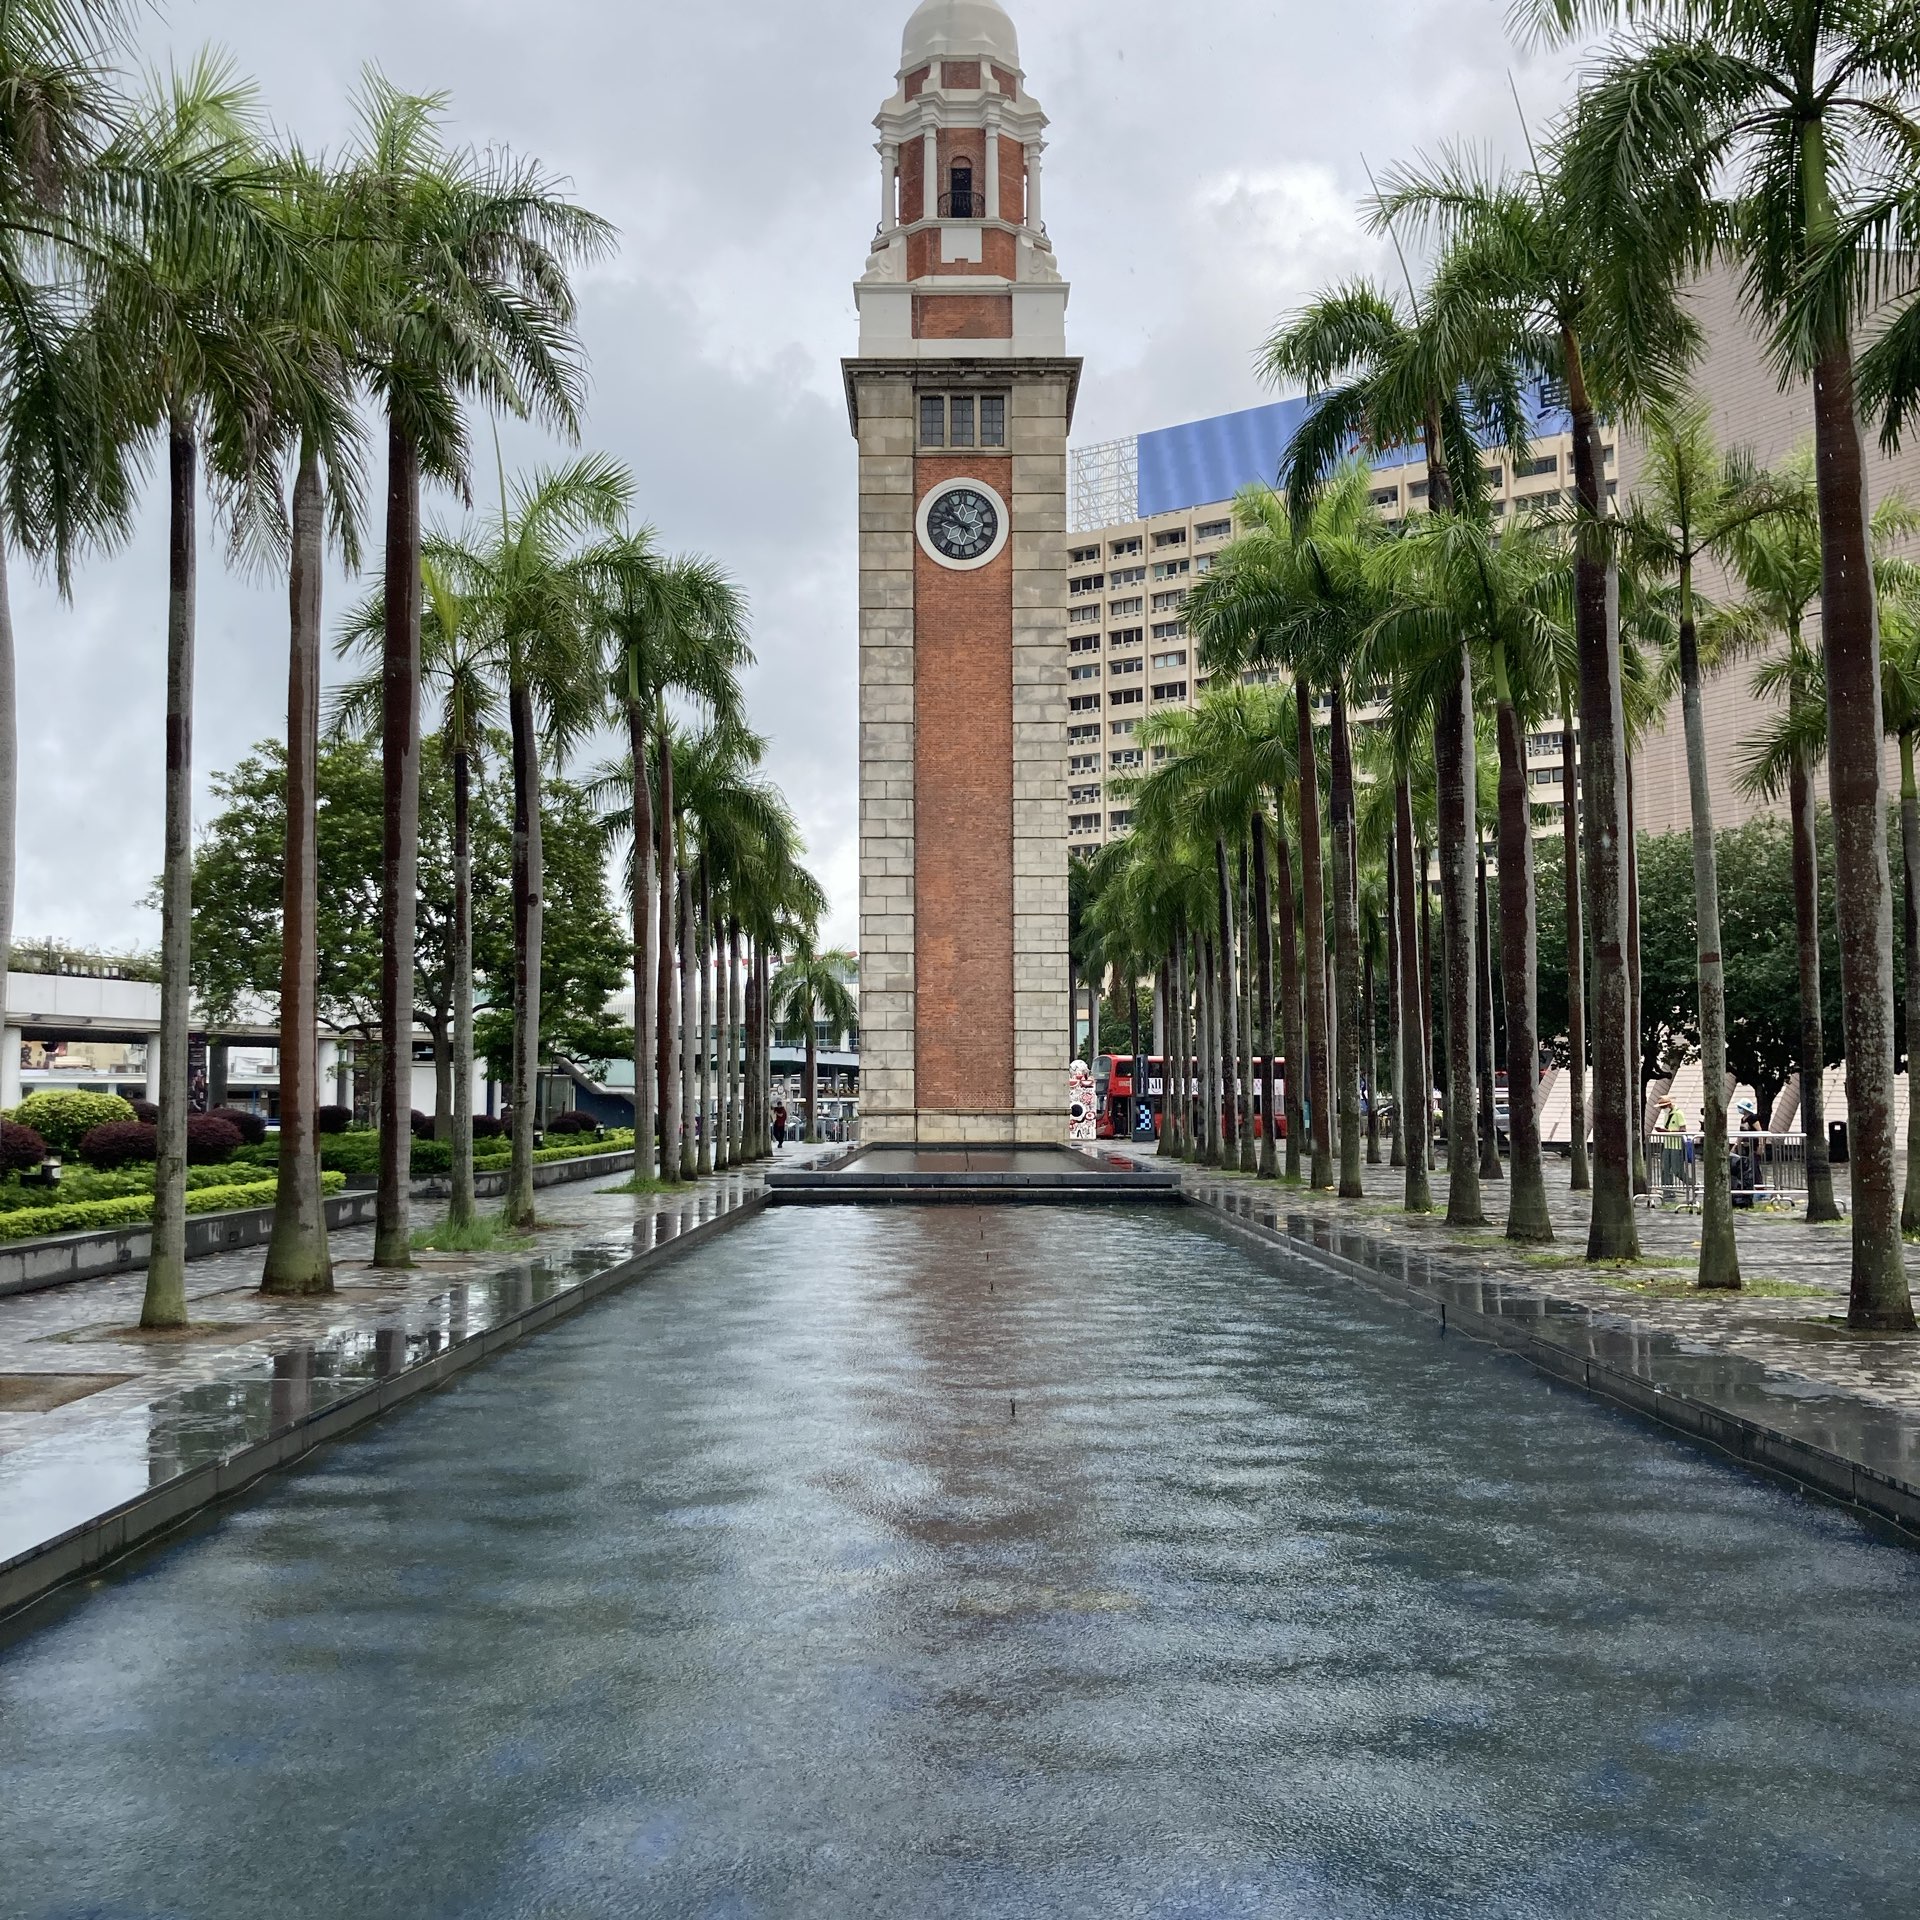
{"x": 20, "y": 1148}
{"x": 120, "y": 1143}
{"x": 333, "y": 1119}
{"x": 211, "y": 1138}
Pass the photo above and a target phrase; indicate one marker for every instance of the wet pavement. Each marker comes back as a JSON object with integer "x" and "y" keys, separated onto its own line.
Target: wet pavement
{"x": 945, "y": 1561}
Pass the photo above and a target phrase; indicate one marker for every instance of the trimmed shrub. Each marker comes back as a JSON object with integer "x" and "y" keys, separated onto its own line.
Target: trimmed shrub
{"x": 145, "y": 1110}
{"x": 120, "y": 1143}
{"x": 211, "y": 1138}
{"x": 572, "y": 1121}
{"x": 80, "y": 1216}
{"x": 422, "y": 1125}
{"x": 333, "y": 1119}
{"x": 486, "y": 1127}
{"x": 20, "y": 1148}
{"x": 252, "y": 1126}
{"x": 64, "y": 1116}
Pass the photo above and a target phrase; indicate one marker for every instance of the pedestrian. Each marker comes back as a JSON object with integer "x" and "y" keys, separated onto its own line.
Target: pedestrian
{"x": 1670, "y": 1129}
{"x": 779, "y": 1124}
{"x": 1746, "y": 1156}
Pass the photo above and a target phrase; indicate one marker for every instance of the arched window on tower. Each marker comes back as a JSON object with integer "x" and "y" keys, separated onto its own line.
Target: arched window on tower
{"x": 961, "y": 201}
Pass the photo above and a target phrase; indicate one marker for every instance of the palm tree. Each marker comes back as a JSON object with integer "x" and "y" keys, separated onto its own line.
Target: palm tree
{"x": 677, "y": 627}
{"x": 1505, "y": 593}
{"x": 313, "y": 404}
{"x": 1533, "y": 280}
{"x": 1690, "y": 504}
{"x": 1800, "y": 109}
{"x": 459, "y": 663}
{"x": 182, "y": 320}
{"x": 1382, "y": 378}
{"x": 810, "y": 988}
{"x": 470, "y": 254}
{"x": 532, "y": 584}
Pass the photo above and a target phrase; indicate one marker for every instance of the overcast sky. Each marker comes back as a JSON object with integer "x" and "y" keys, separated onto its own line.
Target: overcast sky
{"x": 1205, "y": 166}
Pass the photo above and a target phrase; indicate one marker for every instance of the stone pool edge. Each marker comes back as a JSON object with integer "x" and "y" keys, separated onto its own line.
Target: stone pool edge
{"x": 1864, "y": 1491}
{"x": 140, "y": 1522}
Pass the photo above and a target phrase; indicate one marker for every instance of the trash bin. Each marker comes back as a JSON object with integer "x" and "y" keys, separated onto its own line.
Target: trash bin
{"x": 1837, "y": 1142}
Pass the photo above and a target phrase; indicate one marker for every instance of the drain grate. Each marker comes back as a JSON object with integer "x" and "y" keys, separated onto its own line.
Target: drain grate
{"x": 42, "y": 1392}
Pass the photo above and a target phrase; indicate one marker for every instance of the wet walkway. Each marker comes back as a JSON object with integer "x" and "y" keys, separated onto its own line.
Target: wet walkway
{"x": 1022, "y": 1563}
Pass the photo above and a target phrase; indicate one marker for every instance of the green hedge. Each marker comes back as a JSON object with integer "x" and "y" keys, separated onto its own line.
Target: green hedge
{"x": 358, "y": 1154}
{"x": 133, "y": 1209}
{"x": 64, "y": 1116}
{"x": 86, "y": 1183}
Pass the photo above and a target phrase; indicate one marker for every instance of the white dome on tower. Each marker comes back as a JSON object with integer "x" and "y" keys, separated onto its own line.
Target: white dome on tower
{"x": 959, "y": 29}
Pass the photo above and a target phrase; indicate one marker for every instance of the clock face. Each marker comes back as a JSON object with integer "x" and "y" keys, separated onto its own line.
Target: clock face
{"x": 964, "y": 524}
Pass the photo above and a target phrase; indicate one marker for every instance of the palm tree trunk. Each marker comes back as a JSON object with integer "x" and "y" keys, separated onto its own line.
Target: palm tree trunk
{"x": 646, "y": 924}
{"x": 298, "y": 1260}
{"x": 1813, "y": 1043}
{"x": 671, "y": 938}
{"x": 1527, "y": 1215}
{"x": 736, "y": 1043}
{"x": 686, "y": 1045}
{"x": 1292, "y": 1029}
{"x": 400, "y": 849}
{"x": 1863, "y": 889}
{"x": 1313, "y": 934}
{"x": 165, "y": 1304}
{"x": 812, "y": 1090}
{"x": 708, "y": 1158}
{"x": 1612, "y": 1233}
{"x": 1226, "y": 1033}
{"x": 1426, "y": 1010}
{"x": 528, "y": 916}
{"x": 461, "y": 1210}
{"x": 1416, "y": 1099}
{"x": 9, "y": 782}
{"x": 1910, "y": 859}
{"x": 1396, "y": 1126}
{"x": 1263, "y": 923}
{"x": 1581, "y": 1178}
{"x": 1346, "y": 949}
{"x": 1719, "y": 1255}
{"x": 1636, "y": 1026}
{"x": 1176, "y": 1104}
{"x": 1243, "y": 1010}
{"x": 1139, "y": 1074}
{"x": 1371, "y": 1050}
{"x": 1490, "y": 1167}
{"x": 1453, "y": 767}
{"x": 1209, "y": 1053}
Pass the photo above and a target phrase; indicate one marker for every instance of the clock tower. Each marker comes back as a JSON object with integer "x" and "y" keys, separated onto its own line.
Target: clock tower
{"x": 960, "y": 399}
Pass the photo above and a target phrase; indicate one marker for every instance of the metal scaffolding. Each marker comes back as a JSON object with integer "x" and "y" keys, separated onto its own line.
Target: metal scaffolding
{"x": 1103, "y": 485}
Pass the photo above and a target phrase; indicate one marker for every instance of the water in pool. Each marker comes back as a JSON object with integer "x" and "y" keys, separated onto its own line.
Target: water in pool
{"x": 916, "y": 1562}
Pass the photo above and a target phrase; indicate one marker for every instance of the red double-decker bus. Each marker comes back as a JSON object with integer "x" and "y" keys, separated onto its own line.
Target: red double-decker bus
{"x": 1121, "y": 1115}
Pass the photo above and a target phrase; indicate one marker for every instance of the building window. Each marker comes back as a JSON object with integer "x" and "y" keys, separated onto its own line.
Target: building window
{"x": 1079, "y": 735}
{"x": 1129, "y": 576}
{"x": 1087, "y": 583}
{"x": 1204, "y": 564}
{"x": 1083, "y": 556}
{"x": 1083, "y": 703}
{"x": 1083, "y": 796}
{"x": 1125, "y": 697}
{"x": 1171, "y": 690}
{"x": 1121, "y": 728}
{"x": 1173, "y": 537}
{"x": 1169, "y": 629}
{"x": 950, "y": 420}
{"x": 1416, "y": 489}
{"x": 1126, "y": 636}
{"x": 1084, "y": 617}
{"x": 1120, "y": 549}
{"x": 1118, "y": 667}
{"x": 1088, "y": 672}
{"x": 1213, "y": 530}
{"x": 1083, "y": 823}
{"x": 1084, "y": 642}
{"x": 1084, "y": 763}
{"x": 1120, "y": 822}
{"x": 1533, "y": 469}
{"x": 1170, "y": 659}
{"x": 1171, "y": 569}
{"x": 1170, "y": 602}
{"x": 1385, "y": 496}
{"x": 1124, "y": 760}
{"x": 1545, "y": 776}
{"x": 1126, "y": 609}
{"x": 1496, "y": 475}
{"x": 960, "y": 205}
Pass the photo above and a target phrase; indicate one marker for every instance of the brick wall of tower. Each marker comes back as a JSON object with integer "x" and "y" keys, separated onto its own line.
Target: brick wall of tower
{"x": 964, "y": 810}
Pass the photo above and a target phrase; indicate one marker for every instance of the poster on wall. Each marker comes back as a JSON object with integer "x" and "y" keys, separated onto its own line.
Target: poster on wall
{"x": 1080, "y": 1102}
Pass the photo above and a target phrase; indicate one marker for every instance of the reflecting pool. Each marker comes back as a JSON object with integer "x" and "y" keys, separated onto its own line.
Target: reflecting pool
{"x": 940, "y": 1561}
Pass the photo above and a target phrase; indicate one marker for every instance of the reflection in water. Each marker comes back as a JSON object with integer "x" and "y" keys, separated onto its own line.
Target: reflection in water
{"x": 934, "y": 1562}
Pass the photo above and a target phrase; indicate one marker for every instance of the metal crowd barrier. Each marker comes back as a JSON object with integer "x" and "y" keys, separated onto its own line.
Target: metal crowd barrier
{"x": 1765, "y": 1170}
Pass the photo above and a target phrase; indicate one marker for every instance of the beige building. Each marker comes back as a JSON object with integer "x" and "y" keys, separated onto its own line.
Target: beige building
{"x": 1136, "y": 548}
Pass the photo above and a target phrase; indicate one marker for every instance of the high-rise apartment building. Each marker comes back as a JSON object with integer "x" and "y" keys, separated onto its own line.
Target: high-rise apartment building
{"x": 1147, "y": 517}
